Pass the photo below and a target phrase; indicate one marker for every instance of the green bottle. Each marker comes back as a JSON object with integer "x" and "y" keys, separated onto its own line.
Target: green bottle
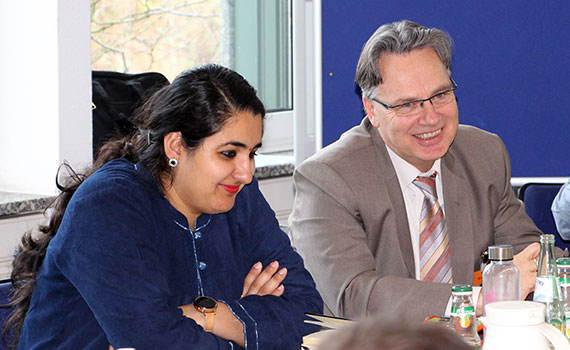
{"x": 547, "y": 287}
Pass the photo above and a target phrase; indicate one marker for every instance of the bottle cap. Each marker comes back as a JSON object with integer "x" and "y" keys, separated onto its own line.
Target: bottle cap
{"x": 461, "y": 288}
{"x": 501, "y": 252}
{"x": 563, "y": 262}
{"x": 546, "y": 238}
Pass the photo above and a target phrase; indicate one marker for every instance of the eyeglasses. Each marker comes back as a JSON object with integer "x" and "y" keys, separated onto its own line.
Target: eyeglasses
{"x": 411, "y": 108}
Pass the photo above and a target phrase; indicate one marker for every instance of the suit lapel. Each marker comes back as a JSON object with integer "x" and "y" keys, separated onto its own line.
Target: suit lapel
{"x": 388, "y": 175}
{"x": 458, "y": 216}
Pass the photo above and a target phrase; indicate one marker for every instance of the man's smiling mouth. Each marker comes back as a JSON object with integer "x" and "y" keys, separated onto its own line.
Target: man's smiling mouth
{"x": 428, "y": 135}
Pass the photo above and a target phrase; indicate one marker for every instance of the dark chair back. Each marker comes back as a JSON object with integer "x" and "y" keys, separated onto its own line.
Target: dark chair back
{"x": 538, "y": 198}
{"x": 5, "y": 295}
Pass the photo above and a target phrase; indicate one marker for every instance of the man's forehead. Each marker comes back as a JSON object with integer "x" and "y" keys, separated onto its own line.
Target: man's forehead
{"x": 391, "y": 62}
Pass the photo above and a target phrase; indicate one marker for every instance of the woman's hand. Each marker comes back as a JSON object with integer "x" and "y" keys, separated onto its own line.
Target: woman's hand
{"x": 264, "y": 282}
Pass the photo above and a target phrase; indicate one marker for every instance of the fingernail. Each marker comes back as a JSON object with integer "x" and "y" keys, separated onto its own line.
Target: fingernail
{"x": 257, "y": 265}
{"x": 280, "y": 287}
{"x": 274, "y": 264}
{"x": 283, "y": 271}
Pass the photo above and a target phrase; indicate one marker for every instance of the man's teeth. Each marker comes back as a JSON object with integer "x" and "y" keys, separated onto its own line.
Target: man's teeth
{"x": 428, "y": 135}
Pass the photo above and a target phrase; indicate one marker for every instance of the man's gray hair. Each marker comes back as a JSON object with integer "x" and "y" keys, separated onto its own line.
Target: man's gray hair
{"x": 398, "y": 37}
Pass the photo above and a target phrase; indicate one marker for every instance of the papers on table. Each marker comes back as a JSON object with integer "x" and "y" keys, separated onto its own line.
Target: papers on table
{"x": 327, "y": 323}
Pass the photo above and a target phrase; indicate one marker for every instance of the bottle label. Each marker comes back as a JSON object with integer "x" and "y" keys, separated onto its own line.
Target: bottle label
{"x": 543, "y": 289}
{"x": 465, "y": 315}
{"x": 565, "y": 281}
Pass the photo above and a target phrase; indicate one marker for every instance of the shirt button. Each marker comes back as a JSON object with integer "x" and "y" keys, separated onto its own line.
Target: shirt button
{"x": 202, "y": 266}
{"x": 198, "y": 235}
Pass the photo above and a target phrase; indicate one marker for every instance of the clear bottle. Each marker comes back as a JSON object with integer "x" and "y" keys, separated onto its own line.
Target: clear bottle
{"x": 501, "y": 278}
{"x": 463, "y": 320}
{"x": 547, "y": 287}
{"x": 563, "y": 265}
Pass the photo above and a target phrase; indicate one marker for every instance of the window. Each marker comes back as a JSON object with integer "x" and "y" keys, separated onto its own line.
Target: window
{"x": 50, "y": 119}
{"x": 251, "y": 37}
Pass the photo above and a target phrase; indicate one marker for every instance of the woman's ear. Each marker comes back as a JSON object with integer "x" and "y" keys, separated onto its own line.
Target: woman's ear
{"x": 172, "y": 143}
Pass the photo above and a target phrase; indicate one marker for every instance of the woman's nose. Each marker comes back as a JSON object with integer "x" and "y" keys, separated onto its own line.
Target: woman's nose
{"x": 244, "y": 170}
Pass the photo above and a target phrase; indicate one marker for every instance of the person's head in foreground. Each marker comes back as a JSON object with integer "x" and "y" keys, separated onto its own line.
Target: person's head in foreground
{"x": 377, "y": 334}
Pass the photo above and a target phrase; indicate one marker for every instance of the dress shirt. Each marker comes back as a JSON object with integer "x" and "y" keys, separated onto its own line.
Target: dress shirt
{"x": 413, "y": 199}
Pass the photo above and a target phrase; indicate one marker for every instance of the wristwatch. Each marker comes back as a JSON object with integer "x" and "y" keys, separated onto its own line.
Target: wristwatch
{"x": 207, "y": 306}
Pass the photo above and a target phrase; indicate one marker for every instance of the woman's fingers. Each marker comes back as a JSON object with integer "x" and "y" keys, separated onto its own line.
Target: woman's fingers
{"x": 263, "y": 278}
{"x": 250, "y": 278}
{"x": 266, "y": 281}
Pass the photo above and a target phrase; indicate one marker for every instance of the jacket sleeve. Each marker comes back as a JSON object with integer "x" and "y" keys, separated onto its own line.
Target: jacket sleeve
{"x": 561, "y": 210}
{"x": 512, "y": 225}
{"x": 275, "y": 322}
{"x": 329, "y": 232}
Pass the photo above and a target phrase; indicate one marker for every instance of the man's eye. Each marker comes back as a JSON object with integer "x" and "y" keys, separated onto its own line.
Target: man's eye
{"x": 228, "y": 154}
{"x": 406, "y": 107}
{"x": 440, "y": 95}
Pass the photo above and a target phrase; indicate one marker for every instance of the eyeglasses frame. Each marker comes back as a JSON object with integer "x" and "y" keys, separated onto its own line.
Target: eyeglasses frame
{"x": 387, "y": 106}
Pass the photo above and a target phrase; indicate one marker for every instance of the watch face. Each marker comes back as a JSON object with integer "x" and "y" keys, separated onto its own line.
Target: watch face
{"x": 205, "y": 302}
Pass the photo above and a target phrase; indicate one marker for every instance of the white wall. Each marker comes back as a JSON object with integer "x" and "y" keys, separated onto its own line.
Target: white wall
{"x": 45, "y": 91}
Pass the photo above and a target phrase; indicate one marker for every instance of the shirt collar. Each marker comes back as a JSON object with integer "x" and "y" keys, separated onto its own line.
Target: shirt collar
{"x": 406, "y": 172}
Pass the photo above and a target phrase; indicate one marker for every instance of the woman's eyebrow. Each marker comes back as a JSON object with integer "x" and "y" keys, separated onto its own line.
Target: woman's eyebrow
{"x": 239, "y": 144}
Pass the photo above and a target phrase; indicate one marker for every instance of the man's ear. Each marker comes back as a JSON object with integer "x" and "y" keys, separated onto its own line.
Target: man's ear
{"x": 369, "y": 108}
{"x": 172, "y": 143}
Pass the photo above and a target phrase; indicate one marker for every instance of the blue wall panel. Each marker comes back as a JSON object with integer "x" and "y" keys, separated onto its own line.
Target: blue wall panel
{"x": 511, "y": 61}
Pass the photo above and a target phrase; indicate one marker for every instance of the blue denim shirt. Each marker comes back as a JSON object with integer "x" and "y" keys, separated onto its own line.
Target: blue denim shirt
{"x": 124, "y": 259}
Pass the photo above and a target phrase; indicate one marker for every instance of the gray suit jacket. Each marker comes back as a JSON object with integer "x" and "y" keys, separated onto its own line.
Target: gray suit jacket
{"x": 349, "y": 221}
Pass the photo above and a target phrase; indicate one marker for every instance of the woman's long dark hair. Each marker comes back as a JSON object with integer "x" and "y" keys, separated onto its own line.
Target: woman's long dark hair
{"x": 197, "y": 103}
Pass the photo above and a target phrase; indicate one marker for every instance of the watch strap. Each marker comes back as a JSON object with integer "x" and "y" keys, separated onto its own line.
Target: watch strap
{"x": 209, "y": 321}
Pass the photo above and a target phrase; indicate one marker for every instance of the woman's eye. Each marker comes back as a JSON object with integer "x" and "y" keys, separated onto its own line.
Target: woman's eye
{"x": 252, "y": 155}
{"x": 228, "y": 154}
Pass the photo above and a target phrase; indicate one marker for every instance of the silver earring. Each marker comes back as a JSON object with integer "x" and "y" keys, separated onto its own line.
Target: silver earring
{"x": 173, "y": 162}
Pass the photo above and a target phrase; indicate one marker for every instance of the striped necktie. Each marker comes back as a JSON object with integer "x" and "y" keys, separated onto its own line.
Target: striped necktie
{"x": 435, "y": 253}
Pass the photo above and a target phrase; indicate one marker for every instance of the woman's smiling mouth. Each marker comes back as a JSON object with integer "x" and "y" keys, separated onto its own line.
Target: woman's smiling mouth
{"x": 230, "y": 188}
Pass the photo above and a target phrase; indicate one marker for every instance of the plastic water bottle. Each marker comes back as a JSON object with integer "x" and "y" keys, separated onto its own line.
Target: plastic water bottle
{"x": 564, "y": 279}
{"x": 547, "y": 287}
{"x": 463, "y": 320}
{"x": 501, "y": 278}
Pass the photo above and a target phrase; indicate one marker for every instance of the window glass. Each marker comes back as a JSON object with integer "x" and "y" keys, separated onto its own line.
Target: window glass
{"x": 253, "y": 37}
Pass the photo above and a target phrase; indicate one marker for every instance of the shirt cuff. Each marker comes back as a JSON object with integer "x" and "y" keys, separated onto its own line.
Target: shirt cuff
{"x": 250, "y": 327}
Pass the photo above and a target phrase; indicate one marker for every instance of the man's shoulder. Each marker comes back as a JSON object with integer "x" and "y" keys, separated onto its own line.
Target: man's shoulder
{"x": 472, "y": 140}
{"x": 477, "y": 151}
{"x": 353, "y": 146}
{"x": 472, "y": 134}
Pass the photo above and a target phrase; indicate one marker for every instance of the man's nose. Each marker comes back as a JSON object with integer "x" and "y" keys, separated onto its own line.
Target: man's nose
{"x": 429, "y": 113}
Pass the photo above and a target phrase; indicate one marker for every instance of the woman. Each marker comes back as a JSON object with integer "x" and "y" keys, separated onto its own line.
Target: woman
{"x": 170, "y": 214}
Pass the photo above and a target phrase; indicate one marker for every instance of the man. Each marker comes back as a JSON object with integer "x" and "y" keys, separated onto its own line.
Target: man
{"x": 358, "y": 207}
{"x": 561, "y": 210}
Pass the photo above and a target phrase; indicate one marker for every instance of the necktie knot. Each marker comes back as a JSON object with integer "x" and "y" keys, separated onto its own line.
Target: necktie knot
{"x": 427, "y": 185}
